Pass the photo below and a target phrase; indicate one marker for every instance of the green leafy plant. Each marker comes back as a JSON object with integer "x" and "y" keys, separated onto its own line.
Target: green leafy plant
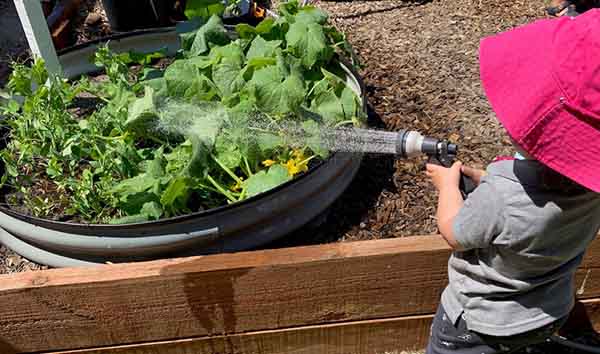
{"x": 211, "y": 128}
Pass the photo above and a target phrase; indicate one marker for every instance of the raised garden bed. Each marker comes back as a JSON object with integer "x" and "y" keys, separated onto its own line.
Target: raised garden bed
{"x": 174, "y": 152}
{"x": 347, "y": 298}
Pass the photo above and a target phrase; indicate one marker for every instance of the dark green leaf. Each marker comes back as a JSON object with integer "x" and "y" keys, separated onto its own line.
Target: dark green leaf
{"x": 175, "y": 197}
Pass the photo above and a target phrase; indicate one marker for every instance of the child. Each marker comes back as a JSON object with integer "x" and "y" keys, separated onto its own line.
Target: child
{"x": 520, "y": 235}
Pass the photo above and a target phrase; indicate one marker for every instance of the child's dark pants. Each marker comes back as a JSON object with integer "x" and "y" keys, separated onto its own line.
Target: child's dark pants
{"x": 449, "y": 338}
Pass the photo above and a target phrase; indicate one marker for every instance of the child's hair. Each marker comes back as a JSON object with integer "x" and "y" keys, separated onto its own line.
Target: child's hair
{"x": 555, "y": 182}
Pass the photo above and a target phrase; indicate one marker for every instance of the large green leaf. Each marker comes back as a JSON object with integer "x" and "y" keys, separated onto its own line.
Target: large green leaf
{"x": 187, "y": 31}
{"x": 350, "y": 103}
{"x": 152, "y": 210}
{"x": 212, "y": 32}
{"x": 194, "y": 121}
{"x": 142, "y": 116}
{"x": 232, "y": 52}
{"x": 201, "y": 89}
{"x": 227, "y": 151}
{"x": 179, "y": 76}
{"x": 263, "y": 181}
{"x": 306, "y": 40}
{"x": 262, "y": 48}
{"x": 311, "y": 14}
{"x": 179, "y": 158}
{"x": 175, "y": 197}
{"x": 314, "y": 139}
{"x": 329, "y": 107}
{"x": 227, "y": 74}
{"x": 276, "y": 93}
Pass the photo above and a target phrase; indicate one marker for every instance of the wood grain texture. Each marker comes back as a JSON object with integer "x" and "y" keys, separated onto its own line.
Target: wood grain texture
{"x": 365, "y": 337}
{"x": 230, "y": 293}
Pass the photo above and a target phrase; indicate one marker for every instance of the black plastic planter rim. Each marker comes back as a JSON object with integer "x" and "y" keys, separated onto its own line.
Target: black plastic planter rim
{"x": 89, "y": 227}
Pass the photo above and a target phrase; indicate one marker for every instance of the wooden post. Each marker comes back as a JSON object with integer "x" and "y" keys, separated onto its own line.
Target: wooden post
{"x": 37, "y": 33}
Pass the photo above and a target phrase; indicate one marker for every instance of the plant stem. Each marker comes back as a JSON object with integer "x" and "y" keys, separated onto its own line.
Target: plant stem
{"x": 344, "y": 122}
{"x": 306, "y": 160}
{"x": 226, "y": 169}
{"x": 212, "y": 189}
{"x": 220, "y": 188}
{"x": 248, "y": 169}
{"x": 242, "y": 195}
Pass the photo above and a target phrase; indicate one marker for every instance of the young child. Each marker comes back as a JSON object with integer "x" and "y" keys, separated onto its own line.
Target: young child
{"x": 520, "y": 235}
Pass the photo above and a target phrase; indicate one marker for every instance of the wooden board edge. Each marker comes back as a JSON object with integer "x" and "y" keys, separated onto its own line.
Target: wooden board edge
{"x": 249, "y": 259}
{"x": 218, "y": 262}
{"x": 364, "y": 337}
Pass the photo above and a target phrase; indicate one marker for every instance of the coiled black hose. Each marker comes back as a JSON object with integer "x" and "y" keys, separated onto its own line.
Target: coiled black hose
{"x": 574, "y": 345}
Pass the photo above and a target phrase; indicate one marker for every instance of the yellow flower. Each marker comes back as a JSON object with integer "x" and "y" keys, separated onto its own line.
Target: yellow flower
{"x": 268, "y": 163}
{"x": 237, "y": 186}
{"x": 295, "y": 166}
{"x": 298, "y": 154}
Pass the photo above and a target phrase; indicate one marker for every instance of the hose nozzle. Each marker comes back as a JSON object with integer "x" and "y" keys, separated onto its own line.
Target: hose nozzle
{"x": 411, "y": 143}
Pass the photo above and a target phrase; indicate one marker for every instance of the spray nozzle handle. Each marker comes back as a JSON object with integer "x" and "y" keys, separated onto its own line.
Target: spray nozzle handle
{"x": 445, "y": 158}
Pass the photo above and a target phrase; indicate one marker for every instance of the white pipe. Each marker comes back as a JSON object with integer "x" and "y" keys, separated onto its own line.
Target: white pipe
{"x": 37, "y": 33}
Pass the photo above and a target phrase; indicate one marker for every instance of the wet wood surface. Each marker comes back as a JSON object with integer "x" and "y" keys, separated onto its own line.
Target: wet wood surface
{"x": 229, "y": 294}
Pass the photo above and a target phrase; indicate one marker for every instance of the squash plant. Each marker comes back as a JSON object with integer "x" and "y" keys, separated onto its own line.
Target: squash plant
{"x": 212, "y": 127}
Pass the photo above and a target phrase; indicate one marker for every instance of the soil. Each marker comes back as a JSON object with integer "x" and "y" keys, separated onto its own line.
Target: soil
{"x": 90, "y": 22}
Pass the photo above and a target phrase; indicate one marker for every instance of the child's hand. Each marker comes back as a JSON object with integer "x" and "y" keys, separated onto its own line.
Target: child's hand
{"x": 474, "y": 173}
{"x": 443, "y": 177}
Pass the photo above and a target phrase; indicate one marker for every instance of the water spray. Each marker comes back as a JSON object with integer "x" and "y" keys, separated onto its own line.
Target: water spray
{"x": 403, "y": 144}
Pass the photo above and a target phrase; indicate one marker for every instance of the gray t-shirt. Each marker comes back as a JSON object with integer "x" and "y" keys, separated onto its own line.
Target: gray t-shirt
{"x": 522, "y": 245}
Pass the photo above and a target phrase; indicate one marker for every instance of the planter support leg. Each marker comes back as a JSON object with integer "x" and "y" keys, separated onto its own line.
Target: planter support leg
{"x": 37, "y": 33}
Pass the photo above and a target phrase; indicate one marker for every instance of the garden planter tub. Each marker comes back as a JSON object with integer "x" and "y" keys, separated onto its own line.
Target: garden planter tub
{"x": 244, "y": 225}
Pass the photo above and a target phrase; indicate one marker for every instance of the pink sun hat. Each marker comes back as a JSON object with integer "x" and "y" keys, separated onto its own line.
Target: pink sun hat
{"x": 543, "y": 82}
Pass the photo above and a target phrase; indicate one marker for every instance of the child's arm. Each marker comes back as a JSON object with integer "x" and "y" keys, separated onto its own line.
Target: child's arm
{"x": 472, "y": 223}
{"x": 446, "y": 180}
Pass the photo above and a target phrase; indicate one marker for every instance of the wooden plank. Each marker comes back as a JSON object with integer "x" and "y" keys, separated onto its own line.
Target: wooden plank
{"x": 364, "y": 337}
{"x": 229, "y": 293}
{"x": 37, "y": 33}
{"x": 213, "y": 295}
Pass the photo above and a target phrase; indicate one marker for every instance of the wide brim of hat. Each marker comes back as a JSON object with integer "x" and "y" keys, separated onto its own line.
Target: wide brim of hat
{"x": 518, "y": 76}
